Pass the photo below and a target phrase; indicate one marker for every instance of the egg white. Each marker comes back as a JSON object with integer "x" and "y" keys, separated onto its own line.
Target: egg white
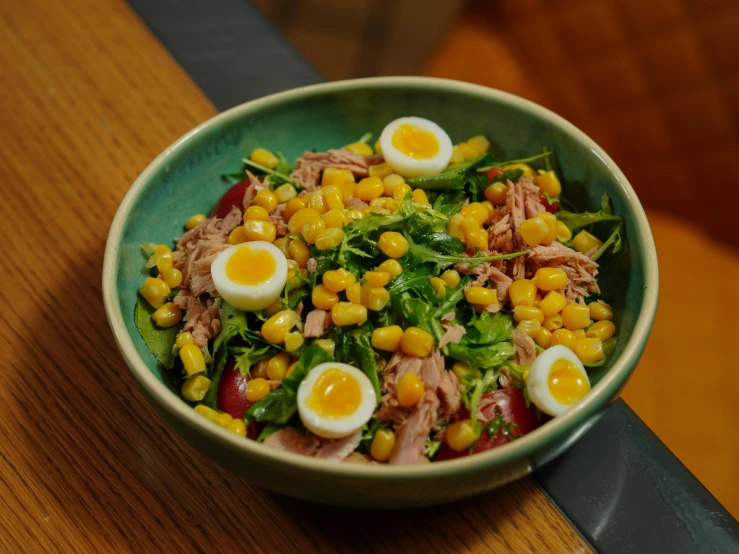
{"x": 537, "y": 382}
{"x": 250, "y": 297}
{"x": 410, "y": 167}
{"x": 334, "y": 428}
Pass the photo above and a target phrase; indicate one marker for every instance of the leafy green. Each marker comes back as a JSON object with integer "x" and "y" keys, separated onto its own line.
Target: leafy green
{"x": 441, "y": 261}
{"x": 281, "y": 403}
{"x": 575, "y": 221}
{"x": 528, "y": 160}
{"x": 159, "y": 340}
{"x": 608, "y": 347}
{"x": 365, "y": 138}
{"x": 614, "y": 242}
{"x": 489, "y": 329}
{"x": 449, "y": 202}
{"x": 283, "y": 165}
{"x": 368, "y": 434}
{"x": 455, "y": 176}
{"x": 354, "y": 347}
{"x": 431, "y": 447}
{"x": 482, "y": 357}
{"x": 268, "y": 430}
{"x": 247, "y": 356}
{"x": 498, "y": 424}
{"x": 475, "y": 388}
{"x": 276, "y": 177}
{"x": 511, "y": 175}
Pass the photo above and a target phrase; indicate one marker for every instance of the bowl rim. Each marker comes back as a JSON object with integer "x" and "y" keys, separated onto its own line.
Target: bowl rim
{"x": 605, "y": 391}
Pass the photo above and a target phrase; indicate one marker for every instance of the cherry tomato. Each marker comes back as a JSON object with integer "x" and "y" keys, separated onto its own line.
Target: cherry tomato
{"x": 492, "y": 173}
{"x": 511, "y": 406}
{"x": 551, "y": 208}
{"x": 232, "y": 396}
{"x": 232, "y": 197}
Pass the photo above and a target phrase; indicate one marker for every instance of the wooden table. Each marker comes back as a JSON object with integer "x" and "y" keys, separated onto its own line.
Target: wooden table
{"x": 87, "y": 98}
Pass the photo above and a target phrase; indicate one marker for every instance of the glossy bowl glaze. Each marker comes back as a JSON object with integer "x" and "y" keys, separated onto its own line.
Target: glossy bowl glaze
{"x": 185, "y": 180}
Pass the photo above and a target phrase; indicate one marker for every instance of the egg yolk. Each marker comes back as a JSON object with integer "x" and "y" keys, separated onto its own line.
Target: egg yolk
{"x": 414, "y": 142}
{"x": 566, "y": 383}
{"x": 250, "y": 267}
{"x": 335, "y": 394}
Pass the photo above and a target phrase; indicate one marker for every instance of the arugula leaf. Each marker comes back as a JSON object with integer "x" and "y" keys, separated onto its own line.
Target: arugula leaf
{"x": 247, "y": 356}
{"x": 365, "y": 138}
{"x": 477, "y": 387}
{"x": 489, "y": 329}
{"x": 482, "y": 357}
{"x": 275, "y": 175}
{"x": 613, "y": 241}
{"x": 441, "y": 261}
{"x": 576, "y": 221}
{"x": 159, "y": 340}
{"x": 455, "y": 176}
{"x": 608, "y": 347}
{"x": 368, "y": 434}
{"x": 449, "y": 202}
{"x": 283, "y": 166}
{"x": 431, "y": 447}
{"x": 365, "y": 357}
{"x": 511, "y": 175}
{"x": 281, "y": 404}
{"x": 528, "y": 160}
{"x": 498, "y": 424}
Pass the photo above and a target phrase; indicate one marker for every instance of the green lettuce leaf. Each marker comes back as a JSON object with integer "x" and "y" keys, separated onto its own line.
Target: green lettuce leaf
{"x": 482, "y": 357}
{"x": 159, "y": 340}
{"x": 489, "y": 329}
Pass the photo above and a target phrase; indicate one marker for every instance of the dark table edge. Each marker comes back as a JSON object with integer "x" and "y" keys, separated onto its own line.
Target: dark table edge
{"x": 619, "y": 487}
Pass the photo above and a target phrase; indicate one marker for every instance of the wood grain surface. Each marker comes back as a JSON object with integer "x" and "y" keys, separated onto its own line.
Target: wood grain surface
{"x": 87, "y": 98}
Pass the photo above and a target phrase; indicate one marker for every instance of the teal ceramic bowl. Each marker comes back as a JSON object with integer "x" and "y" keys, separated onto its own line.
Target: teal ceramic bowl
{"x": 184, "y": 180}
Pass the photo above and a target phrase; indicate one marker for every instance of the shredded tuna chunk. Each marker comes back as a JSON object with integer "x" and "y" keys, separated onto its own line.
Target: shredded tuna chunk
{"x": 501, "y": 235}
{"x": 449, "y": 394}
{"x": 255, "y": 185}
{"x": 355, "y": 203}
{"x": 309, "y": 166}
{"x": 317, "y": 323}
{"x": 357, "y": 458}
{"x": 202, "y": 319}
{"x": 580, "y": 269}
{"x": 292, "y": 440}
{"x": 525, "y": 347}
{"x": 501, "y": 281}
{"x": 311, "y": 265}
{"x": 338, "y": 449}
{"x": 453, "y": 334}
{"x": 532, "y": 197}
{"x": 412, "y": 433}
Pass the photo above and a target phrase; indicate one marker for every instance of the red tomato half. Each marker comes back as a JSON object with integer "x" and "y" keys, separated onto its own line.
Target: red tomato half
{"x": 551, "y": 208}
{"x": 232, "y": 197}
{"x": 232, "y": 396}
{"x": 492, "y": 173}
{"x": 513, "y": 409}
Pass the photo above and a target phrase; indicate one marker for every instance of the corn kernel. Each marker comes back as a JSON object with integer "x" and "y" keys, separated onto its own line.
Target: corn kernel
{"x": 387, "y": 338}
{"x": 377, "y": 278}
{"x": 392, "y": 267}
{"x": 337, "y": 280}
{"x": 334, "y": 200}
{"x": 454, "y": 227}
{"x": 479, "y": 144}
{"x": 277, "y": 366}
{"x": 490, "y": 209}
{"x": 206, "y": 412}
{"x": 194, "y": 388}
{"x": 400, "y": 191}
{"x": 551, "y": 221}
{"x": 417, "y": 342}
{"x": 327, "y": 345}
{"x": 293, "y": 206}
{"x": 369, "y": 188}
{"x": 194, "y": 220}
{"x": 264, "y": 157}
{"x": 534, "y": 231}
{"x": 457, "y": 155}
{"x": 380, "y": 170}
{"x": 553, "y": 322}
{"x": 476, "y": 238}
{"x": 496, "y": 193}
{"x": 481, "y": 296}
{"x": 257, "y": 213}
{"x": 563, "y": 232}
{"x": 329, "y": 238}
{"x": 543, "y": 337}
{"x": 222, "y": 419}
{"x": 290, "y": 369}
{"x": 293, "y": 341}
{"x": 359, "y": 148}
{"x": 167, "y": 315}
{"x": 523, "y": 313}
{"x": 466, "y": 150}
{"x": 600, "y": 311}
{"x": 276, "y": 328}
{"x": 528, "y": 171}
{"x": 410, "y": 390}
{"x": 173, "y": 277}
{"x": 259, "y": 369}
{"x": 256, "y": 389}
{"x": 378, "y": 147}
{"x": 393, "y": 244}
{"x": 477, "y": 211}
{"x": 298, "y": 219}
{"x": 585, "y": 242}
{"x": 579, "y": 334}
{"x": 273, "y": 308}
{"x": 552, "y": 303}
{"x": 603, "y": 330}
{"x": 164, "y": 261}
{"x": 237, "y": 236}
{"x": 589, "y": 349}
{"x": 354, "y": 293}
{"x": 382, "y": 445}
{"x": 420, "y": 197}
{"x": 462, "y": 434}
{"x": 300, "y": 252}
{"x": 312, "y": 228}
{"x": 192, "y": 359}
{"x": 237, "y": 426}
{"x": 260, "y": 230}
{"x": 373, "y": 297}
{"x": 335, "y": 176}
{"x": 451, "y": 277}
{"x": 548, "y": 183}
{"x": 283, "y": 245}
{"x": 564, "y": 337}
{"x": 575, "y": 316}
{"x": 439, "y": 286}
{"x": 346, "y": 313}
{"x": 390, "y": 182}
{"x": 285, "y": 192}
{"x": 461, "y": 369}
{"x": 155, "y": 291}
{"x": 266, "y": 199}
{"x": 469, "y": 224}
{"x": 334, "y": 219}
{"x": 551, "y": 278}
{"x": 324, "y": 299}
{"x": 317, "y": 201}
{"x": 183, "y": 339}
{"x": 522, "y": 292}
{"x": 530, "y": 326}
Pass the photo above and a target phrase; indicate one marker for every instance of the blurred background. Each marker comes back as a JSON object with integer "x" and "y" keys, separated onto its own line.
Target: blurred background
{"x": 656, "y": 83}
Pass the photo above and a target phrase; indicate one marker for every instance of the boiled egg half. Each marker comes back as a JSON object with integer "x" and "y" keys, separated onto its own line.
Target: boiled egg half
{"x": 557, "y": 380}
{"x": 335, "y": 400}
{"x": 415, "y": 147}
{"x": 250, "y": 276}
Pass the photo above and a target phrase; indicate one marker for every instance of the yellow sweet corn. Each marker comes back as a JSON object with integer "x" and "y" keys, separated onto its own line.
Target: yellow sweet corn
{"x": 347, "y": 313}
{"x": 377, "y": 278}
{"x": 283, "y": 245}
{"x": 183, "y": 339}
{"x": 589, "y": 349}
{"x": 324, "y": 299}
{"x": 451, "y": 277}
{"x": 167, "y": 315}
{"x": 237, "y": 426}
{"x": 195, "y": 387}
{"x": 585, "y": 242}
{"x": 393, "y": 244}
{"x": 312, "y": 228}
{"x": 260, "y": 230}
{"x": 551, "y": 278}
{"x": 173, "y": 277}
{"x": 481, "y": 296}
{"x": 419, "y": 197}
{"x": 337, "y": 280}
{"x": 548, "y": 183}
{"x": 335, "y": 176}
{"x": 369, "y": 188}
{"x": 387, "y": 338}
{"x": 317, "y": 201}
{"x": 276, "y": 328}
{"x": 528, "y": 171}
{"x": 439, "y": 286}
{"x": 552, "y": 303}
{"x": 256, "y": 389}
{"x": 553, "y": 322}
{"x": 285, "y": 192}
{"x": 392, "y": 267}
{"x": 391, "y": 181}
{"x": 293, "y": 206}
{"x": 382, "y": 445}
{"x": 293, "y": 341}
{"x": 551, "y": 221}
{"x": 563, "y": 232}
{"x": 299, "y": 251}
{"x": 454, "y": 227}
{"x": 327, "y": 345}
{"x": 329, "y": 238}
{"x": 575, "y": 316}
{"x": 373, "y": 297}
{"x": 564, "y": 337}
{"x": 534, "y": 231}
{"x": 496, "y": 193}
{"x": 600, "y": 311}
{"x": 543, "y": 337}
{"x": 380, "y": 170}
{"x": 194, "y": 220}
{"x": 354, "y": 293}
{"x": 603, "y": 330}
{"x": 462, "y": 434}
{"x": 523, "y": 313}
{"x": 264, "y": 157}
{"x": 359, "y": 148}
{"x": 266, "y": 199}
{"x": 409, "y": 390}
{"x": 477, "y": 211}
{"x": 277, "y": 366}
{"x": 298, "y": 219}
{"x": 417, "y": 342}
{"x": 192, "y": 359}
{"x": 259, "y": 369}
{"x": 477, "y": 238}
{"x": 237, "y": 236}
{"x": 257, "y": 213}
{"x": 479, "y": 144}
{"x": 155, "y": 291}
{"x": 334, "y": 219}
{"x": 530, "y": 326}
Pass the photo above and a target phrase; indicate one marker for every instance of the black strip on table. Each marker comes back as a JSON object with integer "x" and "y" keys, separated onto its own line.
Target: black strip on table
{"x": 228, "y": 48}
{"x": 621, "y": 488}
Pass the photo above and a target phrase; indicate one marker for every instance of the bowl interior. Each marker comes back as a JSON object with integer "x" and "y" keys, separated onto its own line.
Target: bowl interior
{"x": 188, "y": 181}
